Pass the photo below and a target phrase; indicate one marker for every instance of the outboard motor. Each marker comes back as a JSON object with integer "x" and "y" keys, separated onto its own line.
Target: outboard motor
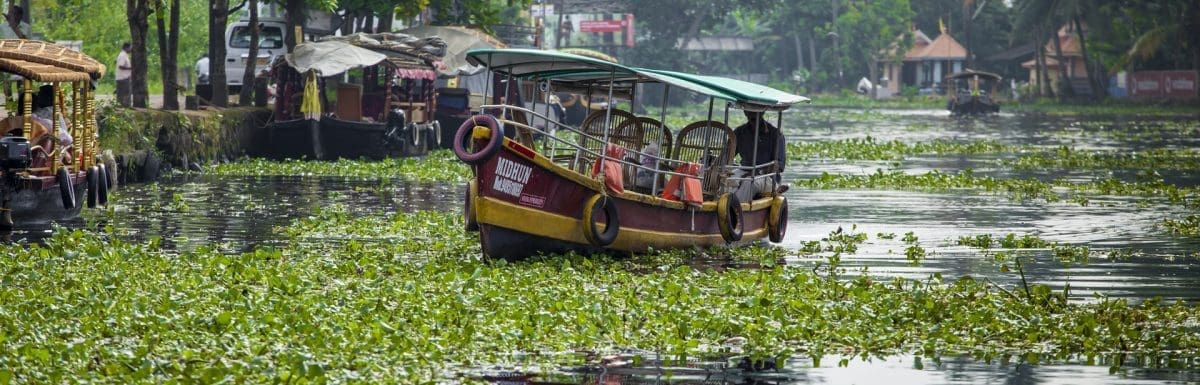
{"x": 14, "y": 152}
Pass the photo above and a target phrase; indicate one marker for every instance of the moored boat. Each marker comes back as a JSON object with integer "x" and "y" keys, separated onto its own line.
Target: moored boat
{"x": 49, "y": 148}
{"x": 566, "y": 190}
{"x": 971, "y": 93}
{"x": 360, "y": 96}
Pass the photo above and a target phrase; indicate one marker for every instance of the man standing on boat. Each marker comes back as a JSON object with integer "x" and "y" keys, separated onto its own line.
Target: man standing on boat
{"x": 758, "y": 147}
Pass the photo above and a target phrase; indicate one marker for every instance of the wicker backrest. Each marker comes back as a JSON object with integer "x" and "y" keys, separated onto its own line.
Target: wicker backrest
{"x": 712, "y": 145}
{"x": 595, "y": 126}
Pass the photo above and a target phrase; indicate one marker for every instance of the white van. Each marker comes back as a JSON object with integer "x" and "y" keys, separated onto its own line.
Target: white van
{"x": 237, "y": 48}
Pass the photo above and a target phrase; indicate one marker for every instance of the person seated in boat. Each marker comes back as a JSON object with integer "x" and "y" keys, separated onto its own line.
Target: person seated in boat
{"x": 644, "y": 177}
{"x": 43, "y": 112}
{"x": 771, "y": 147}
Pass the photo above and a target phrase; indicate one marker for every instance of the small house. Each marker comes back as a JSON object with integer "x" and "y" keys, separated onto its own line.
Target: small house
{"x": 925, "y": 64}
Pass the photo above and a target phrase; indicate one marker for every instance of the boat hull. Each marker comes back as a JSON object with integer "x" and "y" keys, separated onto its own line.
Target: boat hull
{"x": 973, "y": 105}
{"x": 295, "y": 139}
{"x": 39, "y": 199}
{"x": 526, "y": 205}
{"x": 332, "y": 138}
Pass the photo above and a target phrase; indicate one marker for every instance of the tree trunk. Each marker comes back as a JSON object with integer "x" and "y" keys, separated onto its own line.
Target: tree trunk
{"x": 218, "y": 14}
{"x": 1064, "y": 81}
{"x": 294, "y": 12}
{"x": 136, "y": 12}
{"x": 244, "y": 98}
{"x": 812, "y": 58}
{"x": 799, "y": 52}
{"x": 168, "y": 52}
{"x": 1039, "y": 56}
{"x": 1097, "y": 91}
{"x": 385, "y": 21}
{"x": 873, "y": 69}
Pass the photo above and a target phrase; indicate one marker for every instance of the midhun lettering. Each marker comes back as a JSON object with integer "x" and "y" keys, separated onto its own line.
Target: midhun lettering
{"x": 511, "y": 177}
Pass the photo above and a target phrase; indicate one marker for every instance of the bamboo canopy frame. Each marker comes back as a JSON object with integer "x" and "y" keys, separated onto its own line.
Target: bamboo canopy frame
{"x": 44, "y": 62}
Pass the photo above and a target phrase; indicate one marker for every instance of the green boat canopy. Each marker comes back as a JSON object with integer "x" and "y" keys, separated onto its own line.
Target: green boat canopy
{"x": 580, "y": 71}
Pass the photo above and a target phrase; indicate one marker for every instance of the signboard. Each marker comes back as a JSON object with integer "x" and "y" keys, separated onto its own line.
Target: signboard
{"x": 588, "y": 30}
{"x": 602, "y": 25}
{"x": 1163, "y": 84}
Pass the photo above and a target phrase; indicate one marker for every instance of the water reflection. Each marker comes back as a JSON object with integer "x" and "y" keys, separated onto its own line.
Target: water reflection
{"x": 240, "y": 213}
{"x": 900, "y": 370}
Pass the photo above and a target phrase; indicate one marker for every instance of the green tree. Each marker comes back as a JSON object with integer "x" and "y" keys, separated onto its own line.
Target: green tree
{"x": 871, "y": 28}
{"x": 663, "y": 25}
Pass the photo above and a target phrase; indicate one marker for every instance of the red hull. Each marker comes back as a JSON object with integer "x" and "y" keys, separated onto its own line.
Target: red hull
{"x": 526, "y": 205}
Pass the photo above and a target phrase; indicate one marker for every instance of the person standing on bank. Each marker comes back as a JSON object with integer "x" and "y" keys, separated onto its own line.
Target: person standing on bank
{"x": 202, "y": 69}
{"x": 124, "y": 75}
{"x": 757, "y": 147}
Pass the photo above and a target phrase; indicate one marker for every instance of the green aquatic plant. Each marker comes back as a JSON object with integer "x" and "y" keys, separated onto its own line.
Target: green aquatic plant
{"x": 1186, "y": 226}
{"x": 438, "y": 165}
{"x": 1064, "y": 157}
{"x": 1009, "y": 241}
{"x": 869, "y": 148}
{"x": 405, "y": 298}
{"x": 409, "y": 301}
{"x": 1016, "y": 189}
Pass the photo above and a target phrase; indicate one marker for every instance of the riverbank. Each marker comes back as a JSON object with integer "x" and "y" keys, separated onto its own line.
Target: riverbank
{"x": 143, "y": 142}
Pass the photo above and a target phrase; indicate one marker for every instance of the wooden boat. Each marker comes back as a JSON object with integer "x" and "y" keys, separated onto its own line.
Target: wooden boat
{"x": 49, "y": 167}
{"x": 972, "y": 93}
{"x": 529, "y": 197}
{"x": 373, "y": 100}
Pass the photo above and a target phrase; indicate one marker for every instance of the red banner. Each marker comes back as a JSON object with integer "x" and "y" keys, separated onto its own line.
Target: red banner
{"x": 1163, "y": 84}
{"x": 602, "y": 25}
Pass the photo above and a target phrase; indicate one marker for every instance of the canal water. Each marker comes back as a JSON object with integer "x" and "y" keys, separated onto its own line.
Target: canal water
{"x": 185, "y": 211}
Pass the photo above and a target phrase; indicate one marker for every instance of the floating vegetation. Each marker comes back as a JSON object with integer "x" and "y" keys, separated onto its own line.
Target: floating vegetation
{"x": 1065, "y": 253}
{"x": 1185, "y": 226}
{"x": 1009, "y": 241}
{"x": 1064, "y": 157}
{"x": 871, "y": 149}
{"x": 438, "y": 165}
{"x": 914, "y": 252}
{"x": 403, "y": 299}
{"x": 1017, "y": 189}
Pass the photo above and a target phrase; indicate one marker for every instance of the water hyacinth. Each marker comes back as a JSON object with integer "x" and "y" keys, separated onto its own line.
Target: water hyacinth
{"x": 407, "y": 300}
{"x": 438, "y": 165}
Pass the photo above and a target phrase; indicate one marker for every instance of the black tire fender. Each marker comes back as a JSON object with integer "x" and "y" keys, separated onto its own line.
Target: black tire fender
{"x": 729, "y": 217}
{"x": 466, "y": 131}
{"x": 777, "y": 219}
{"x": 612, "y": 224}
{"x": 102, "y": 197}
{"x": 93, "y": 186}
{"x": 65, "y": 188}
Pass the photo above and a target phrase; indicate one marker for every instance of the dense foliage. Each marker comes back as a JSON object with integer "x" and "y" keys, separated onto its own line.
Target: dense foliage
{"x": 403, "y": 299}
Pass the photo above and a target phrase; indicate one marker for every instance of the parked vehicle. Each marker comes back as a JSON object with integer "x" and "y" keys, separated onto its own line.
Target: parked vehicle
{"x": 972, "y": 93}
{"x": 619, "y": 182}
{"x": 48, "y": 143}
{"x": 237, "y": 48}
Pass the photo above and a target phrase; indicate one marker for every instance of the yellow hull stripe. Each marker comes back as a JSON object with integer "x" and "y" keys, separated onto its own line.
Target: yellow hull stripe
{"x": 550, "y": 225}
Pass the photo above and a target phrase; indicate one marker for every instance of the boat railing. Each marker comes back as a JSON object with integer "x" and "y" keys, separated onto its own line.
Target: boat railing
{"x": 555, "y": 127}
